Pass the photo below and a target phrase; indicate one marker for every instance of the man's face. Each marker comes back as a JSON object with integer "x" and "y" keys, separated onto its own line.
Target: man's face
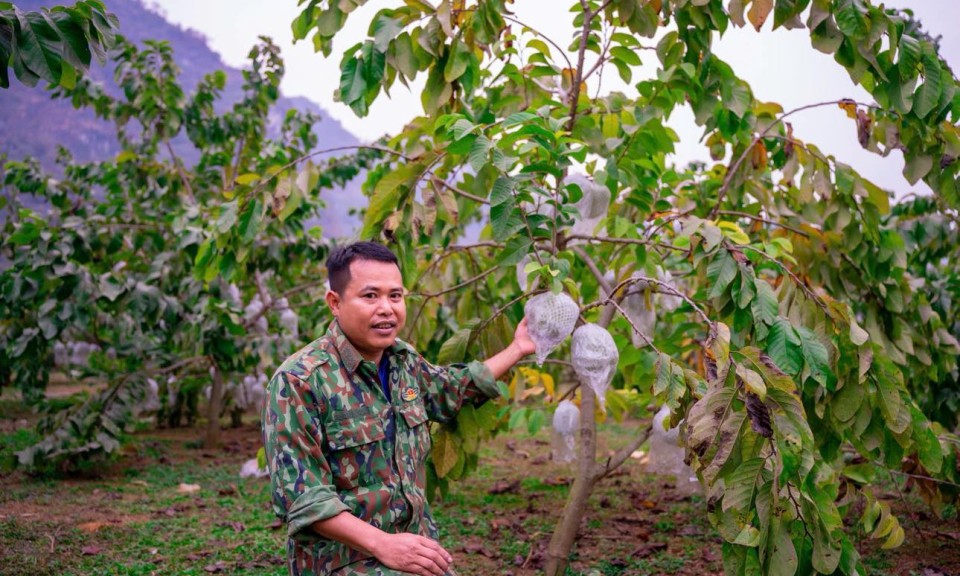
{"x": 371, "y": 311}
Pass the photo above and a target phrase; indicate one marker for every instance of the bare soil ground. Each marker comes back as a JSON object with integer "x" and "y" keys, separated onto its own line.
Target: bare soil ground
{"x": 132, "y": 516}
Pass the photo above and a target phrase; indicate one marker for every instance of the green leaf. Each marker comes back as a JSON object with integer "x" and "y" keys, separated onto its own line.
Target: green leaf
{"x": 846, "y": 402}
{"x": 741, "y": 484}
{"x": 783, "y": 558}
{"x": 928, "y": 94}
{"x": 625, "y": 55}
{"x": 250, "y": 220}
{"x": 721, "y": 272}
{"x": 455, "y": 348}
{"x": 502, "y": 191}
{"x": 479, "y": 153}
{"x": 386, "y": 197}
{"x": 928, "y": 446}
{"x": 384, "y": 29}
{"x": 816, "y": 357}
{"x": 517, "y": 247}
{"x": 908, "y": 58}
{"x": 505, "y": 219}
{"x": 783, "y": 346}
{"x": 765, "y": 307}
{"x": 38, "y": 45}
{"x": 26, "y": 233}
{"x": 457, "y": 62}
{"x": 228, "y": 216}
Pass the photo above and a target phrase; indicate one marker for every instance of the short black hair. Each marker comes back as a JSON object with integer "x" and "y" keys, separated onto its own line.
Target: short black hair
{"x": 338, "y": 263}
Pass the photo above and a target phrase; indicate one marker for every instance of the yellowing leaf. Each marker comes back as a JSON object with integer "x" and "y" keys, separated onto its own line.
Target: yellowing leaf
{"x": 247, "y": 178}
{"x": 733, "y": 231}
{"x": 446, "y": 447}
{"x": 752, "y": 380}
{"x": 758, "y": 13}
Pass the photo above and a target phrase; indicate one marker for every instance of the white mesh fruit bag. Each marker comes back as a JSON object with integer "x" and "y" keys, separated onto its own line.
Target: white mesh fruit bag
{"x": 593, "y": 205}
{"x": 566, "y": 422}
{"x": 550, "y": 319}
{"x": 595, "y": 358}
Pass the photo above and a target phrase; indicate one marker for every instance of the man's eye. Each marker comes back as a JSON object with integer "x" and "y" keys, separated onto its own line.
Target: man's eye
{"x": 369, "y": 296}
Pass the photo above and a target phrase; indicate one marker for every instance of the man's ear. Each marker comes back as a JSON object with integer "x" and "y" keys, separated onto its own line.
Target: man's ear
{"x": 333, "y": 301}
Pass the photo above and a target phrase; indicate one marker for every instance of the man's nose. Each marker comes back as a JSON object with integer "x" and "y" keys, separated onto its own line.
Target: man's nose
{"x": 383, "y": 307}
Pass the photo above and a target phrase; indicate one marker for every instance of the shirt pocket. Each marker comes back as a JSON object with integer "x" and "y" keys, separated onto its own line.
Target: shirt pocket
{"x": 356, "y": 451}
{"x": 418, "y": 429}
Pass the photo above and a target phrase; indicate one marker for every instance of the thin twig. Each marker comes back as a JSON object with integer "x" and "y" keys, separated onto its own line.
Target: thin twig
{"x": 621, "y": 456}
{"x": 765, "y": 221}
{"x": 457, "y": 191}
{"x": 544, "y": 36}
{"x": 728, "y": 179}
{"x": 463, "y": 284}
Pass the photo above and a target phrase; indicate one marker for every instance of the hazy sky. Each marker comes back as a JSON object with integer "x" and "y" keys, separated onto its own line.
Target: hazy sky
{"x": 781, "y": 66}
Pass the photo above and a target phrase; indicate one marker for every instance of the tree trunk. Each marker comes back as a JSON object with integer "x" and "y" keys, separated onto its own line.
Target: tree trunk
{"x": 558, "y": 552}
{"x": 212, "y": 439}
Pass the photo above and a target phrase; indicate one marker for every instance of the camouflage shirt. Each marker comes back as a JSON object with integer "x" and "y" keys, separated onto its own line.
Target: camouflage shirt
{"x": 325, "y": 430}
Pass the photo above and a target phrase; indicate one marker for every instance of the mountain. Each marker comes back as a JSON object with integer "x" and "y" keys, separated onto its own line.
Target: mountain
{"x": 33, "y": 124}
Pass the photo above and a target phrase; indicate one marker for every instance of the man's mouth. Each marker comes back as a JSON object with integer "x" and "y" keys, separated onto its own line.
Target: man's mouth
{"x": 384, "y": 327}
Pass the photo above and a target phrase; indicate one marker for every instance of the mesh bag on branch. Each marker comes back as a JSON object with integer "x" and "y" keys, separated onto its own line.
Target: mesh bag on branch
{"x": 642, "y": 301}
{"x": 566, "y": 422}
{"x": 666, "y": 455}
{"x": 550, "y": 319}
{"x": 595, "y": 358}
{"x": 593, "y": 205}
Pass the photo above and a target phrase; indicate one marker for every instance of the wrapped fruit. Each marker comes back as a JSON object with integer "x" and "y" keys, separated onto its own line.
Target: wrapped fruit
{"x": 566, "y": 421}
{"x": 595, "y": 358}
{"x": 550, "y": 319}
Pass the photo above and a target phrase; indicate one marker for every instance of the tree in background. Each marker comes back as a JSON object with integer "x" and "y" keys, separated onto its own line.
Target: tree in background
{"x": 129, "y": 260}
{"x": 814, "y": 342}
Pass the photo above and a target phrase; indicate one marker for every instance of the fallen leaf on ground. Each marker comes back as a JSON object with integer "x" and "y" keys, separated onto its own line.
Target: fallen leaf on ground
{"x": 505, "y": 487}
{"x": 188, "y": 488}
{"x": 475, "y": 548}
{"x": 557, "y": 481}
{"x": 91, "y": 550}
{"x": 91, "y": 527}
{"x": 220, "y": 566}
{"x": 276, "y": 524}
{"x": 648, "y": 549}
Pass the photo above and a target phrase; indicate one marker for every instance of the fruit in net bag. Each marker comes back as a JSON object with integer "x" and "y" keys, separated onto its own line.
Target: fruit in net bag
{"x": 550, "y": 319}
{"x": 593, "y": 205}
{"x": 566, "y": 421}
{"x": 595, "y": 358}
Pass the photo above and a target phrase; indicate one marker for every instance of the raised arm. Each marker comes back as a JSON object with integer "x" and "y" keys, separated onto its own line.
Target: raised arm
{"x": 521, "y": 346}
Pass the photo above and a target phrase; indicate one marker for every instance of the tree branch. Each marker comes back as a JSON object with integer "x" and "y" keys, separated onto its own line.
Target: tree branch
{"x": 621, "y": 456}
{"x": 544, "y": 36}
{"x": 736, "y": 165}
{"x": 765, "y": 221}
{"x": 463, "y": 284}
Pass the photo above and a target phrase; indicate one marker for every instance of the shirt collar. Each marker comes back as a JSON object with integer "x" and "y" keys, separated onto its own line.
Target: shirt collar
{"x": 350, "y": 357}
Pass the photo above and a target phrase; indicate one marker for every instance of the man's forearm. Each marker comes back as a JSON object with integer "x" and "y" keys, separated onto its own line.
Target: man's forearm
{"x": 504, "y": 360}
{"x": 346, "y": 528}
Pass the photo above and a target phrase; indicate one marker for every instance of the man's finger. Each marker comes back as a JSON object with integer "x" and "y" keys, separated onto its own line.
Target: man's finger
{"x": 434, "y": 545}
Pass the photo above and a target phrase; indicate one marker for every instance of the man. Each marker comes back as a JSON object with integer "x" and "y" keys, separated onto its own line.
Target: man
{"x": 346, "y": 428}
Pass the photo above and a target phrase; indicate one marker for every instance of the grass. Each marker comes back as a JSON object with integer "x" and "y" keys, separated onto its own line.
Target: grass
{"x": 132, "y": 519}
